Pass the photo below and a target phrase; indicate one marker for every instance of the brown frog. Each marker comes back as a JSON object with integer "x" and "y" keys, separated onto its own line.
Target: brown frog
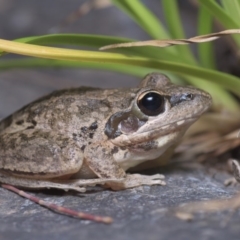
{"x": 80, "y": 137}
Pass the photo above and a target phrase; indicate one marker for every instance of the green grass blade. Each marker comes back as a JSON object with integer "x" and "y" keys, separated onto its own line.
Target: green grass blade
{"x": 175, "y": 27}
{"x": 222, "y": 16}
{"x": 218, "y": 12}
{"x": 143, "y": 17}
{"x": 73, "y": 39}
{"x": 232, "y": 8}
{"x": 172, "y": 17}
{"x": 52, "y": 63}
{"x": 222, "y": 79}
{"x": 121, "y": 68}
{"x": 205, "y": 50}
{"x": 150, "y": 23}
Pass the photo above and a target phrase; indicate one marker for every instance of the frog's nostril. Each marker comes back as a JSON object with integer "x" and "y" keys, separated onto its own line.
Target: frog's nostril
{"x": 186, "y": 97}
{"x": 176, "y": 99}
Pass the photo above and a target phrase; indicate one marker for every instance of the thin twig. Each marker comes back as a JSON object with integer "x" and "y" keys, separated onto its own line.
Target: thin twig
{"x": 57, "y": 208}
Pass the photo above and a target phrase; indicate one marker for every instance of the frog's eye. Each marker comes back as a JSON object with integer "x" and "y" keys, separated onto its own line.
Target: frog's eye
{"x": 151, "y": 103}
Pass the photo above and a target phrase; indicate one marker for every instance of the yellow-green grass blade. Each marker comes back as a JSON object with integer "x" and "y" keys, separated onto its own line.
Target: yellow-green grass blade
{"x": 97, "y": 41}
{"x": 222, "y": 79}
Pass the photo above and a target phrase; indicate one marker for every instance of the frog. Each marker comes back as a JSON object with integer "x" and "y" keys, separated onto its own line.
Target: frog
{"x": 76, "y": 138}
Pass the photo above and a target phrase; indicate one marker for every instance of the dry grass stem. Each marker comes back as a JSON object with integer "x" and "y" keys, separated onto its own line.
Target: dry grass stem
{"x": 171, "y": 42}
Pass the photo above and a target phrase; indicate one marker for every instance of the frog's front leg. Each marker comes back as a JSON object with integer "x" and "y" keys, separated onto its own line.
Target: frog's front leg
{"x": 99, "y": 158}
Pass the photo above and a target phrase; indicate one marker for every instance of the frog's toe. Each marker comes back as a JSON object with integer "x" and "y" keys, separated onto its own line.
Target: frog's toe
{"x": 158, "y": 182}
{"x": 155, "y": 179}
{"x": 157, "y": 176}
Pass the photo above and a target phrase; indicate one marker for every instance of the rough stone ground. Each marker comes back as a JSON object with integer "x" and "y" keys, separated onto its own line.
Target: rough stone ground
{"x": 141, "y": 213}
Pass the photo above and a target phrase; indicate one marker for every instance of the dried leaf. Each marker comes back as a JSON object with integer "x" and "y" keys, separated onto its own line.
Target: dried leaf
{"x": 213, "y": 135}
{"x": 171, "y": 42}
{"x": 187, "y": 210}
{"x": 218, "y": 122}
{"x": 184, "y": 216}
{"x": 210, "y": 206}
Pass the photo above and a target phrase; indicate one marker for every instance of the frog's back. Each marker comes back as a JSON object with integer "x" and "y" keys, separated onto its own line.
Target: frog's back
{"x": 65, "y": 110}
{"x": 36, "y": 112}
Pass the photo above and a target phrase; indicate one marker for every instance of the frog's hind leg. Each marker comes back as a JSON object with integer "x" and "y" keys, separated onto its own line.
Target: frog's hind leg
{"x": 71, "y": 184}
{"x": 35, "y": 154}
{"x": 37, "y": 184}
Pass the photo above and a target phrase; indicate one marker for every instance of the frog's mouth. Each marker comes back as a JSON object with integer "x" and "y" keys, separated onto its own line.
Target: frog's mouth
{"x": 151, "y": 132}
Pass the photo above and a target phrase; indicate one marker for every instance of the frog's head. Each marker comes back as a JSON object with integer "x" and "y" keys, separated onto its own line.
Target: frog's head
{"x": 159, "y": 111}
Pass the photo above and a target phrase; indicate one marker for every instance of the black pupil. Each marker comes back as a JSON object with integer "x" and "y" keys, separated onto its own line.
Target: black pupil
{"x": 151, "y": 104}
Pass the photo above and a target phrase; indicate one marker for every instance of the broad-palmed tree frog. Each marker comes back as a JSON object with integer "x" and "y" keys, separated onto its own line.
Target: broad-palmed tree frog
{"x": 80, "y": 137}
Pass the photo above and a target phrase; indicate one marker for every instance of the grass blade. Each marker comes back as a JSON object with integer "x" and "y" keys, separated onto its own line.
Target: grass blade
{"x": 205, "y": 50}
{"x": 143, "y": 17}
{"x": 221, "y": 15}
{"x": 232, "y": 7}
{"x": 225, "y": 80}
{"x": 175, "y": 27}
{"x": 53, "y": 63}
{"x": 97, "y": 41}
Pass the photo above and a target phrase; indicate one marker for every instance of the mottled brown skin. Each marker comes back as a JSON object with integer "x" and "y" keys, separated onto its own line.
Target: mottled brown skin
{"x": 74, "y": 138}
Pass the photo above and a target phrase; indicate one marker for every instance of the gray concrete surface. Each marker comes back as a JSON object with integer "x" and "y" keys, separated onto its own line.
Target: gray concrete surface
{"x": 141, "y": 213}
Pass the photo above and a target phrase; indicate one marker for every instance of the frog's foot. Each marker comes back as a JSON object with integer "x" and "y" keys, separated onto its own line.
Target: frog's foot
{"x": 230, "y": 182}
{"x": 135, "y": 180}
{"x": 130, "y": 181}
{"x": 91, "y": 182}
{"x": 37, "y": 184}
{"x": 236, "y": 170}
{"x": 236, "y": 173}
